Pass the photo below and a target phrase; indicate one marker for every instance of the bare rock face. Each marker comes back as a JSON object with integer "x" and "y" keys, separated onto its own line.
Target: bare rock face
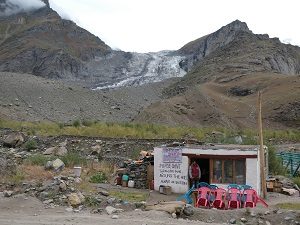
{"x": 199, "y": 49}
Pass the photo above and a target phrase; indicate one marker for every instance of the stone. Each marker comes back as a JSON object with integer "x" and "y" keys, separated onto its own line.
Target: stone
{"x": 244, "y": 220}
{"x": 188, "y": 211}
{"x": 260, "y": 221}
{"x": 267, "y": 212}
{"x": 47, "y": 202}
{"x": 58, "y": 165}
{"x": 13, "y": 140}
{"x": 77, "y": 180}
{"x": 111, "y": 200}
{"x": 58, "y": 151}
{"x": 232, "y": 221}
{"x": 289, "y": 191}
{"x": 110, "y": 210}
{"x": 62, "y": 186}
{"x": 44, "y": 195}
{"x": 7, "y": 194}
{"x": 48, "y": 165}
{"x": 174, "y": 216}
{"x": 96, "y": 149}
{"x": 63, "y": 144}
{"x": 267, "y": 222}
{"x": 253, "y": 214}
{"x": 74, "y": 200}
{"x": 238, "y": 140}
{"x": 287, "y": 218}
{"x": 115, "y": 217}
{"x": 140, "y": 204}
{"x": 81, "y": 196}
{"x": 69, "y": 209}
{"x": 104, "y": 193}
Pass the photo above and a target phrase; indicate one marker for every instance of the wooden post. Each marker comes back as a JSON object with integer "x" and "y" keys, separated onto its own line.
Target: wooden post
{"x": 261, "y": 151}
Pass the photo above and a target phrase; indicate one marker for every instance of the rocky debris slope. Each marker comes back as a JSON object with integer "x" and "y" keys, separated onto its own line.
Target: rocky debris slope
{"x": 27, "y": 97}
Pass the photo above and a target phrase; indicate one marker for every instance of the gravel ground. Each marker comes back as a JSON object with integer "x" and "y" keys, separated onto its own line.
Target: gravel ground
{"x": 30, "y": 98}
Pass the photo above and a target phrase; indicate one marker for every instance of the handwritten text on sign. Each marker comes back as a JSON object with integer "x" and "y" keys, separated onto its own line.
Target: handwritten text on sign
{"x": 172, "y": 155}
{"x": 171, "y": 173}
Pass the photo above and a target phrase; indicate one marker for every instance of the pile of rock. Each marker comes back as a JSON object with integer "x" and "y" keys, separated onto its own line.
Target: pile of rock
{"x": 138, "y": 173}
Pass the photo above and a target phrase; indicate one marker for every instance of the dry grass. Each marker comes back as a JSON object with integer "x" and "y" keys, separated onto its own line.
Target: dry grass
{"x": 28, "y": 173}
{"x": 291, "y": 206}
{"x": 38, "y": 173}
{"x": 129, "y": 196}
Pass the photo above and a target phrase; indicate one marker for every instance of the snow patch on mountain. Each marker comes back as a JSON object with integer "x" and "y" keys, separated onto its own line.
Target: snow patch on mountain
{"x": 143, "y": 68}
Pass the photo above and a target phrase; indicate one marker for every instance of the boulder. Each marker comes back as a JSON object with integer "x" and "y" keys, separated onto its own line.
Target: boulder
{"x": 110, "y": 210}
{"x": 170, "y": 207}
{"x": 188, "y": 211}
{"x": 49, "y": 165}
{"x": 58, "y": 165}
{"x": 59, "y": 151}
{"x": 62, "y": 186}
{"x": 238, "y": 140}
{"x": 13, "y": 140}
{"x": 104, "y": 193}
{"x": 74, "y": 200}
{"x": 63, "y": 144}
{"x": 289, "y": 191}
{"x": 96, "y": 149}
{"x": 232, "y": 221}
{"x": 7, "y": 193}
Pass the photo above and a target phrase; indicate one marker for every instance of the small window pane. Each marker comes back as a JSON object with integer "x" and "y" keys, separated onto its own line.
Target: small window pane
{"x": 228, "y": 171}
{"x": 240, "y": 171}
{"x": 217, "y": 171}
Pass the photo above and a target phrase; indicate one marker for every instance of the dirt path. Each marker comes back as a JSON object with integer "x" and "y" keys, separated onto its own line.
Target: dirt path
{"x": 22, "y": 210}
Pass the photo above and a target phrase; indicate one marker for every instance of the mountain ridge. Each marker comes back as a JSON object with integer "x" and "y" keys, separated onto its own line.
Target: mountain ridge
{"x": 218, "y": 74}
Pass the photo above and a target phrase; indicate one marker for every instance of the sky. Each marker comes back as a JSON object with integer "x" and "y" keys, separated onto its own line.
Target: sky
{"x": 155, "y": 25}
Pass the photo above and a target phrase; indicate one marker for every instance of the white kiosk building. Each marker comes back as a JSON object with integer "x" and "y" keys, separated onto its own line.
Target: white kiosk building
{"x": 220, "y": 165}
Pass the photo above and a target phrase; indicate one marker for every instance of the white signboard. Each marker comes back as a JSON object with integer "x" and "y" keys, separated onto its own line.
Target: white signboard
{"x": 174, "y": 173}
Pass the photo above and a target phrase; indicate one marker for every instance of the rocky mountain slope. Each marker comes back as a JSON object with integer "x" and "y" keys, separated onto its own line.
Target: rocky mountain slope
{"x": 219, "y": 76}
{"x": 222, "y": 83}
{"x": 39, "y": 42}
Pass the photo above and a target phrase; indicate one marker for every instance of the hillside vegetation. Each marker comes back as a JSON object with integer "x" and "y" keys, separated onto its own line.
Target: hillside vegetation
{"x": 149, "y": 131}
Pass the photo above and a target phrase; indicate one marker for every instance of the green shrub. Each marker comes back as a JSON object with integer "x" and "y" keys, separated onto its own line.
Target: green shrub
{"x": 129, "y": 196}
{"x": 76, "y": 123}
{"x": 87, "y": 123}
{"x": 73, "y": 159}
{"x": 99, "y": 177}
{"x": 91, "y": 201}
{"x": 275, "y": 164}
{"x": 297, "y": 181}
{"x": 30, "y": 145}
{"x": 38, "y": 159}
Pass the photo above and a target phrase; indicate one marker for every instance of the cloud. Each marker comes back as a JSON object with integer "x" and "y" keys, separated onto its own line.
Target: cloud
{"x": 10, "y": 7}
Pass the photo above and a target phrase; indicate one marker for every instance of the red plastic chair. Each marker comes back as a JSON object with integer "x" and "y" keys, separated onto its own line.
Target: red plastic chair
{"x": 259, "y": 200}
{"x": 203, "y": 197}
{"x": 250, "y": 198}
{"x": 219, "y": 202}
{"x": 234, "y": 201}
